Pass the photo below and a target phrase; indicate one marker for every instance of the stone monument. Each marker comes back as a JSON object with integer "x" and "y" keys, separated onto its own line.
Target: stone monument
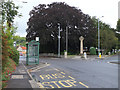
{"x": 81, "y": 44}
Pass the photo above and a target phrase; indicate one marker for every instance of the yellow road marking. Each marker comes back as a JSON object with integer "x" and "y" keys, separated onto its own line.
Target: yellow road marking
{"x": 64, "y": 81}
{"x": 55, "y": 82}
{"x": 47, "y": 84}
{"x": 73, "y": 82}
{"x": 62, "y": 72}
{"x": 71, "y": 77}
{"x": 42, "y": 77}
{"x": 83, "y": 84}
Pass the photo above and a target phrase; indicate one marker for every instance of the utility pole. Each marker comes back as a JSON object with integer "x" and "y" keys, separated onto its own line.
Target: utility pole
{"x": 99, "y": 38}
{"x": 59, "y": 40}
{"x": 66, "y": 39}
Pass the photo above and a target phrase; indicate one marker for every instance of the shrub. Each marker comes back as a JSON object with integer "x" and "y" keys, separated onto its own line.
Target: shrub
{"x": 8, "y": 69}
{"x": 5, "y": 47}
{"x": 92, "y": 51}
{"x": 14, "y": 54}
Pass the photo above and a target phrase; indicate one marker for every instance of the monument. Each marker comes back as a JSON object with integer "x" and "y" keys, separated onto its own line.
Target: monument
{"x": 81, "y": 44}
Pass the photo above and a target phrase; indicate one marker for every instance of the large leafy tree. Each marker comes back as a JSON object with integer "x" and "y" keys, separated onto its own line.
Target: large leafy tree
{"x": 9, "y": 11}
{"x": 108, "y": 40}
{"x": 118, "y": 32}
{"x": 44, "y": 20}
{"x": 118, "y": 25}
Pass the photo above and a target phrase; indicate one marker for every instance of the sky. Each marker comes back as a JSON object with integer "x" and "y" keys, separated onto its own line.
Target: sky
{"x": 98, "y": 8}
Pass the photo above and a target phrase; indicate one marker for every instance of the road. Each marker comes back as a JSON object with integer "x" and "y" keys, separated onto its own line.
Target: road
{"x": 77, "y": 73}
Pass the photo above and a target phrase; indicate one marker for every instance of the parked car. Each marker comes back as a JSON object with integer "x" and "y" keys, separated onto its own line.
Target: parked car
{"x": 20, "y": 54}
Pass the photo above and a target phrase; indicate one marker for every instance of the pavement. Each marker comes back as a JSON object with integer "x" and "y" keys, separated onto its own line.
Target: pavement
{"x": 21, "y": 78}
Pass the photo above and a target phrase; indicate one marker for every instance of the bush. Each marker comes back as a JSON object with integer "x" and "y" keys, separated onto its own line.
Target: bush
{"x": 9, "y": 67}
{"x": 5, "y": 47}
{"x": 92, "y": 51}
{"x": 14, "y": 54}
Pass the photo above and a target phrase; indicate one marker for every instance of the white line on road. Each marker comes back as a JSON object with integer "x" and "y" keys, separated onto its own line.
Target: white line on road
{"x": 41, "y": 86}
{"x": 52, "y": 69}
{"x": 39, "y": 68}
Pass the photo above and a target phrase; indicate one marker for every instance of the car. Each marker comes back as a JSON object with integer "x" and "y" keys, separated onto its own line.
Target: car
{"x": 20, "y": 54}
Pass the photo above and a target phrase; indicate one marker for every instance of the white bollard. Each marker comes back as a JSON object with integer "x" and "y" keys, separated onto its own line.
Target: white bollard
{"x": 65, "y": 54}
{"x": 85, "y": 55}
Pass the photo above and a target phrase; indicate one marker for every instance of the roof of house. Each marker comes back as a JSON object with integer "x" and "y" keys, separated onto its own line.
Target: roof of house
{"x": 24, "y": 48}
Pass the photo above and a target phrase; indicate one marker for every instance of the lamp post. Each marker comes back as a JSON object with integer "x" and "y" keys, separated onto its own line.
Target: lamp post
{"x": 66, "y": 38}
{"x": 58, "y": 40}
{"x": 99, "y": 38}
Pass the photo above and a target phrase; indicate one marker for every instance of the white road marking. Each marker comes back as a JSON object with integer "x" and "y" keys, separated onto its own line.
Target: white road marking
{"x": 17, "y": 77}
{"x": 52, "y": 69}
{"x": 30, "y": 75}
{"x": 38, "y": 69}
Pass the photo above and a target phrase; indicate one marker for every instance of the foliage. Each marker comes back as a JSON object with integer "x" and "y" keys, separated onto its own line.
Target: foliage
{"x": 10, "y": 31}
{"x": 8, "y": 65}
{"x": 5, "y": 48}
{"x": 45, "y": 19}
{"x": 93, "y": 51}
{"x": 118, "y": 25}
{"x": 9, "y": 11}
{"x": 14, "y": 54}
{"x": 108, "y": 40}
{"x": 20, "y": 40}
{"x": 8, "y": 69}
{"x": 118, "y": 34}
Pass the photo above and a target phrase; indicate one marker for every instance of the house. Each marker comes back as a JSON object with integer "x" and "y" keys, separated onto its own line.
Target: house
{"x": 22, "y": 50}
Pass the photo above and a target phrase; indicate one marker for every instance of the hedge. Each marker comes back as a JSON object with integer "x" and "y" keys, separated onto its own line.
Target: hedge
{"x": 92, "y": 51}
{"x": 14, "y": 54}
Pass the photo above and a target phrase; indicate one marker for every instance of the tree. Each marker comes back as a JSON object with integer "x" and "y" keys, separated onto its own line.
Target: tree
{"x": 108, "y": 40}
{"x": 5, "y": 48}
{"x": 20, "y": 40}
{"x": 9, "y": 11}
{"x": 118, "y": 30}
{"x": 44, "y": 20}
{"x": 118, "y": 25}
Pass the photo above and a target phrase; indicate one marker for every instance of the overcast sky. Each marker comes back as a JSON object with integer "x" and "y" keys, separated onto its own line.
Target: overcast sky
{"x": 98, "y": 8}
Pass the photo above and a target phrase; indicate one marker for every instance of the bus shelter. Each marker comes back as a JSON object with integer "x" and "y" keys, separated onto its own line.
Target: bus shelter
{"x": 32, "y": 53}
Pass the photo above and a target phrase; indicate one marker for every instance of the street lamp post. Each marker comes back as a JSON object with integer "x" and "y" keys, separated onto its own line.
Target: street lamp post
{"x": 99, "y": 38}
{"x": 66, "y": 38}
{"x": 59, "y": 40}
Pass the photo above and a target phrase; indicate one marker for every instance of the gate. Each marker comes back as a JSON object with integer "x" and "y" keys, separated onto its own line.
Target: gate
{"x": 32, "y": 53}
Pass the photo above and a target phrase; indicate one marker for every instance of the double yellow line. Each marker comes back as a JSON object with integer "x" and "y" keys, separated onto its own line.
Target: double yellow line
{"x": 83, "y": 84}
